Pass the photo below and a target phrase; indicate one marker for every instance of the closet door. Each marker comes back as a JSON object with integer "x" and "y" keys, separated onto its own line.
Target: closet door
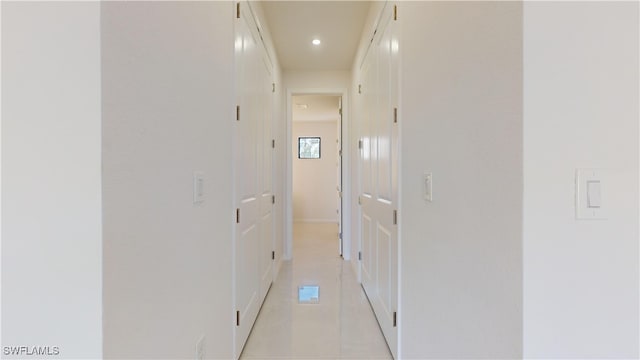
{"x": 246, "y": 164}
{"x": 253, "y": 164}
{"x": 379, "y": 176}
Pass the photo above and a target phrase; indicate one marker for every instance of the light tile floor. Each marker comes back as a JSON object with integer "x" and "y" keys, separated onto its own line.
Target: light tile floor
{"x": 341, "y": 326}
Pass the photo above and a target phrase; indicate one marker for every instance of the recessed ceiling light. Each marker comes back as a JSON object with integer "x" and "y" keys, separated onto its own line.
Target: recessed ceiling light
{"x": 316, "y": 42}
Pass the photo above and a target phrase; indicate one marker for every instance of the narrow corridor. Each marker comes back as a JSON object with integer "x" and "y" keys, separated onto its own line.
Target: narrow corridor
{"x": 341, "y": 325}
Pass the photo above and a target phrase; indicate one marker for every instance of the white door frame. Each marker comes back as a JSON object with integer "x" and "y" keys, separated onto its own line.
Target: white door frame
{"x": 346, "y": 163}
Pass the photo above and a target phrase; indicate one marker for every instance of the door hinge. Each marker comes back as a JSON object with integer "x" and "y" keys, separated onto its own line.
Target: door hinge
{"x": 395, "y": 318}
{"x": 238, "y": 10}
{"x": 395, "y": 12}
{"x": 395, "y": 217}
{"x": 237, "y": 112}
{"x": 273, "y": 143}
{"x": 238, "y": 318}
{"x": 360, "y": 255}
{"x": 273, "y": 255}
{"x": 340, "y": 111}
{"x": 359, "y": 89}
{"x": 395, "y": 115}
{"x": 238, "y": 216}
{"x": 340, "y": 236}
{"x": 359, "y": 200}
{"x": 273, "y": 199}
{"x": 273, "y": 87}
{"x": 360, "y": 144}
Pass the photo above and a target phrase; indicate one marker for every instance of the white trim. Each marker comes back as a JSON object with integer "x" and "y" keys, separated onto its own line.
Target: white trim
{"x": 320, "y": 120}
{"x": 346, "y": 163}
{"x": 330, "y": 221}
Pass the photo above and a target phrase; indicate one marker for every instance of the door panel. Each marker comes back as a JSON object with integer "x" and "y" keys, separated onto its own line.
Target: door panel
{"x": 368, "y": 274}
{"x": 382, "y": 123}
{"x": 379, "y": 157}
{"x": 385, "y": 243}
{"x": 366, "y": 110}
{"x": 253, "y": 162}
{"x": 246, "y": 150}
{"x": 266, "y": 268}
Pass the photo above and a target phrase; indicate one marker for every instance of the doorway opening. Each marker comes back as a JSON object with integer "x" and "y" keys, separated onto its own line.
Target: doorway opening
{"x": 315, "y": 180}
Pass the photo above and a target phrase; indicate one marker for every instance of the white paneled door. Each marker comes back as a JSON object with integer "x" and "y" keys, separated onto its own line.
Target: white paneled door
{"x": 253, "y": 163}
{"x": 379, "y": 169}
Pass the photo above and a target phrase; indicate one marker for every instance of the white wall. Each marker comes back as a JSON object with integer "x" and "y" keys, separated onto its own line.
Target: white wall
{"x": 581, "y": 111}
{"x": 168, "y": 111}
{"x": 461, "y": 119}
{"x": 297, "y": 79}
{"x": 51, "y": 182}
{"x": 315, "y": 180}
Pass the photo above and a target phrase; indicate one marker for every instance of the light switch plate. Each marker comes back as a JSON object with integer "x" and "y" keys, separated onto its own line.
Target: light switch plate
{"x": 427, "y": 186}
{"x": 591, "y": 202}
{"x": 198, "y": 187}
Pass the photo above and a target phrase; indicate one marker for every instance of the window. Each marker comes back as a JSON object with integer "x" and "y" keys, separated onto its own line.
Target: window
{"x": 308, "y": 148}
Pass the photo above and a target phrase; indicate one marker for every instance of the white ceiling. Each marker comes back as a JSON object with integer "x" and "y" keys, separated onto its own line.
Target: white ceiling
{"x": 338, "y": 24}
{"x": 319, "y": 108}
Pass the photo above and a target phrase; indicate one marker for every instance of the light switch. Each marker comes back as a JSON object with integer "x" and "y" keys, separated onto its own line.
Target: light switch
{"x": 593, "y": 194}
{"x": 198, "y": 187}
{"x": 590, "y": 190}
{"x": 427, "y": 186}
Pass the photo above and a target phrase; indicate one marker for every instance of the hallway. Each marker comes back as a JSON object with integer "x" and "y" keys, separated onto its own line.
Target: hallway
{"x": 342, "y": 325}
{"x": 490, "y": 162}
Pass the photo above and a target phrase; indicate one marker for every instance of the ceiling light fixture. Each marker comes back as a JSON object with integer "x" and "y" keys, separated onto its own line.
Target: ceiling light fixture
{"x": 316, "y": 42}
